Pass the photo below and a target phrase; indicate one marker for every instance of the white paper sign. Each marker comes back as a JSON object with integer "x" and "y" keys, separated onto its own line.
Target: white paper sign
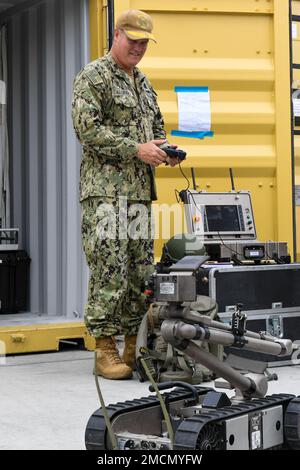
{"x": 296, "y": 103}
{"x": 194, "y": 112}
{"x": 255, "y": 440}
{"x": 167, "y": 288}
{"x": 294, "y": 31}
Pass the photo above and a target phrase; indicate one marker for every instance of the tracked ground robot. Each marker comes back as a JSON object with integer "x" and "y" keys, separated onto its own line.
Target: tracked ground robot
{"x": 201, "y": 418}
{"x": 188, "y": 417}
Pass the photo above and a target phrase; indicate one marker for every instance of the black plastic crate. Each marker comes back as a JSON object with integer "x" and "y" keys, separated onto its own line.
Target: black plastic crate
{"x": 14, "y": 281}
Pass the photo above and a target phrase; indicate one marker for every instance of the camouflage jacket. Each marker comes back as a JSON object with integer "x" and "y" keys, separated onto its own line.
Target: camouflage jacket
{"x": 111, "y": 116}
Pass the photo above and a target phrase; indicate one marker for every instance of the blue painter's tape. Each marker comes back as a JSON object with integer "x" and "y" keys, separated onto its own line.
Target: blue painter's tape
{"x": 189, "y": 89}
{"x": 193, "y": 135}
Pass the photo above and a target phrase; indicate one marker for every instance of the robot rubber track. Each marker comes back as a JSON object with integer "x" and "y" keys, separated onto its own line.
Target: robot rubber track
{"x": 193, "y": 433}
{"x": 96, "y": 436}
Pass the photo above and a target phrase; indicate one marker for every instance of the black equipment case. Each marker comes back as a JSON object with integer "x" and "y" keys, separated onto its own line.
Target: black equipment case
{"x": 270, "y": 295}
{"x": 14, "y": 281}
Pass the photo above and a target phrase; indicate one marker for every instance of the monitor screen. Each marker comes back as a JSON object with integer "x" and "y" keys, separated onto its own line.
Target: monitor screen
{"x": 222, "y": 218}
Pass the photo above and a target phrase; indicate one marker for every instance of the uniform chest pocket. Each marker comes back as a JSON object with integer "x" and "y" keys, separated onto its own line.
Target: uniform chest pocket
{"x": 123, "y": 108}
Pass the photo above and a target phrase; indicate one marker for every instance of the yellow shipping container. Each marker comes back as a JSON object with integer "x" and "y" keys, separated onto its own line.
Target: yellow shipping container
{"x": 240, "y": 50}
{"x": 296, "y": 86}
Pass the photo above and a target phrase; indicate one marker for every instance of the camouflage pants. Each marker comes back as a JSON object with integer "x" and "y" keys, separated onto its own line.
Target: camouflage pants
{"x": 119, "y": 264}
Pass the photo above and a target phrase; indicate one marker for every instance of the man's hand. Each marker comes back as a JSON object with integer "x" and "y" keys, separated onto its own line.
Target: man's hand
{"x": 171, "y": 160}
{"x": 151, "y": 154}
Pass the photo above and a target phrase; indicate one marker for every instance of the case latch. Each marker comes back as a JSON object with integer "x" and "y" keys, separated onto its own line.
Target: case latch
{"x": 275, "y": 325}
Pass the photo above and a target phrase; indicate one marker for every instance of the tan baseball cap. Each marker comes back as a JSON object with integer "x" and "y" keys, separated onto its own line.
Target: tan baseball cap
{"x": 136, "y": 24}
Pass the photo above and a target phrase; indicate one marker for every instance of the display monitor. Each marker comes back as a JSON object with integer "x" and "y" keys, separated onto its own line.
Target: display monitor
{"x": 215, "y": 216}
{"x": 222, "y": 218}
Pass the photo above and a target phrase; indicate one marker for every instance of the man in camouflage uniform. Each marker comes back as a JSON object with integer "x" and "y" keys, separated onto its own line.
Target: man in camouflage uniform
{"x": 118, "y": 122}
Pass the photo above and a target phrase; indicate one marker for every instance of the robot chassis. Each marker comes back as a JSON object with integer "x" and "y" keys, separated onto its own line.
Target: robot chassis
{"x": 201, "y": 418}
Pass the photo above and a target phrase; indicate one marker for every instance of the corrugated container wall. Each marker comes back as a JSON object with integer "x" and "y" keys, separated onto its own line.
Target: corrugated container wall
{"x": 296, "y": 87}
{"x": 240, "y": 50}
{"x": 48, "y": 44}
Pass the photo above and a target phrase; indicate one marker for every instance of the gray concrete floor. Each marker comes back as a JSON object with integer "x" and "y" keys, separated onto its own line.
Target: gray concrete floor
{"x": 46, "y": 399}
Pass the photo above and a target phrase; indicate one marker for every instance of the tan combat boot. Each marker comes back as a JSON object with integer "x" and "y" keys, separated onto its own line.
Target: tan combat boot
{"x": 129, "y": 351}
{"x": 109, "y": 363}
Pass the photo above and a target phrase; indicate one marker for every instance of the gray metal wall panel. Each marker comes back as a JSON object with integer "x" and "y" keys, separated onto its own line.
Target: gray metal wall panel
{"x": 48, "y": 44}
